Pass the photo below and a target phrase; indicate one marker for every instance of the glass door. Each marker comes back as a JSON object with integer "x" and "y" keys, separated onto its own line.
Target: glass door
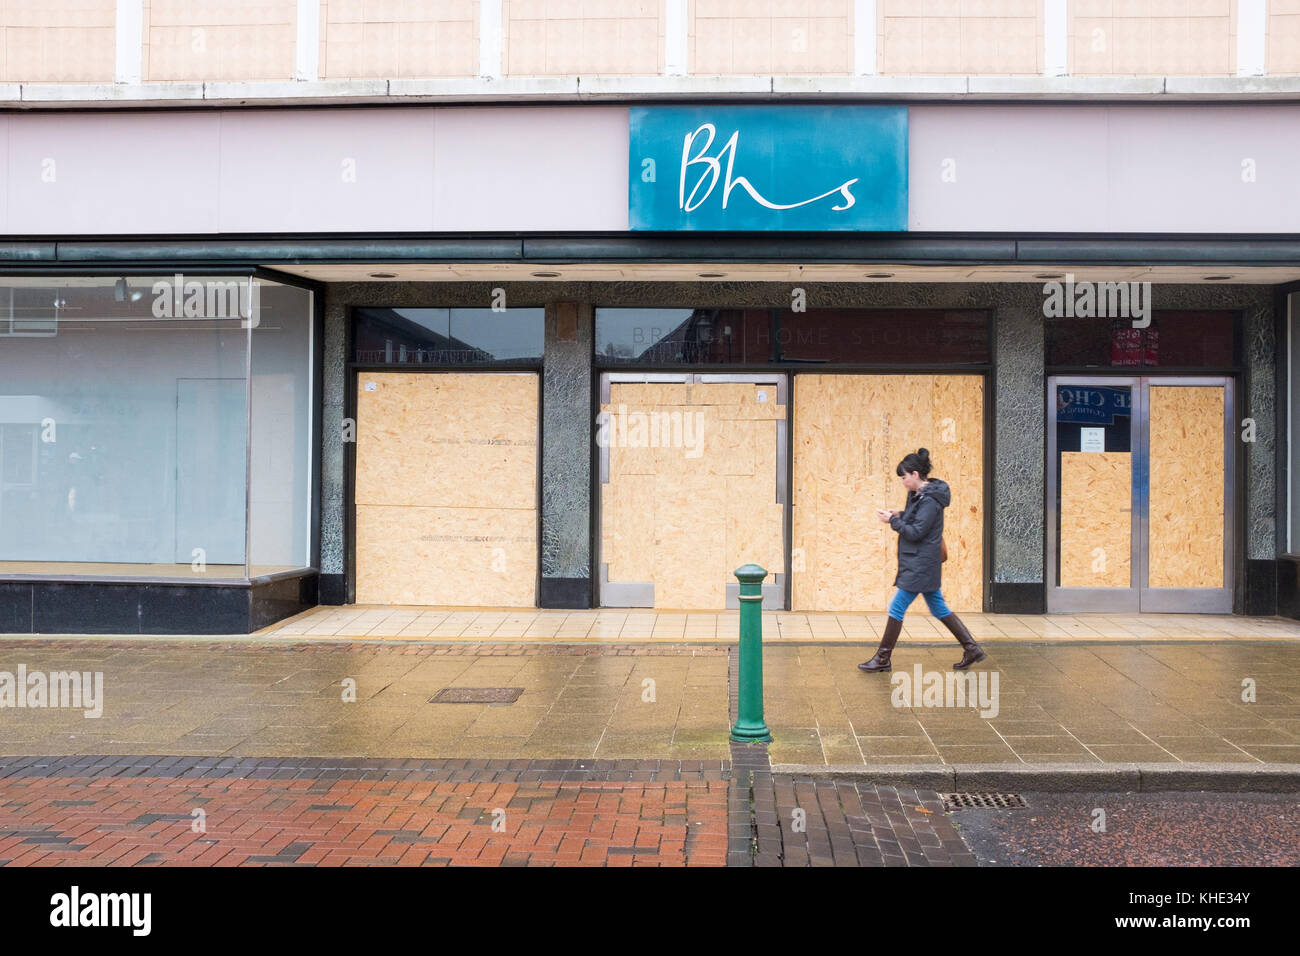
{"x": 1092, "y": 495}
{"x": 1139, "y": 484}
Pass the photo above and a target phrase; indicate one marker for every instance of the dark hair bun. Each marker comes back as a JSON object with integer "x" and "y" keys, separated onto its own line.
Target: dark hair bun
{"x": 918, "y": 461}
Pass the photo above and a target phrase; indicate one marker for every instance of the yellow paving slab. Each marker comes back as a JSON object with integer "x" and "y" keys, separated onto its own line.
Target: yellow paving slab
{"x": 639, "y": 625}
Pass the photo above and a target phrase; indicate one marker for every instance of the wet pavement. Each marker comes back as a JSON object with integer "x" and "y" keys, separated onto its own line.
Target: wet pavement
{"x": 1039, "y": 704}
{"x": 1042, "y": 703}
{"x": 251, "y": 700}
{"x": 1141, "y": 829}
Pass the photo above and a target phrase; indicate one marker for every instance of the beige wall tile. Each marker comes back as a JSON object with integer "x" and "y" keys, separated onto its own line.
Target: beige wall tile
{"x": 582, "y": 37}
{"x": 1153, "y": 37}
{"x": 53, "y": 41}
{"x": 1284, "y": 43}
{"x": 58, "y": 13}
{"x": 388, "y": 38}
{"x": 786, "y": 37}
{"x": 220, "y": 39}
{"x": 185, "y": 13}
{"x": 994, "y": 37}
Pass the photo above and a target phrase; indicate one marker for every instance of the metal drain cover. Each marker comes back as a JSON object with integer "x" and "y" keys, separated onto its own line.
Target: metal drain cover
{"x": 982, "y": 801}
{"x": 476, "y": 695}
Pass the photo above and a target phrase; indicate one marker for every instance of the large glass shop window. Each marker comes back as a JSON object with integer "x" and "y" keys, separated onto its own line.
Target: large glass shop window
{"x": 649, "y": 337}
{"x": 155, "y": 427}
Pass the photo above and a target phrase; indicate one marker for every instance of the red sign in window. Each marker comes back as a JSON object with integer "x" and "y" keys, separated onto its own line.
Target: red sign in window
{"x": 1130, "y": 346}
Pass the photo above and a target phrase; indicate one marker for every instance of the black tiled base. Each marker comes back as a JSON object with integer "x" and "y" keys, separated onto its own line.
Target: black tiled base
{"x": 98, "y": 607}
{"x": 574, "y": 593}
{"x": 1015, "y": 598}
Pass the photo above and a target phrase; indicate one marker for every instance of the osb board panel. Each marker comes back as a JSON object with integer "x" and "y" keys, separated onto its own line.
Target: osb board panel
{"x": 1186, "y": 510}
{"x": 446, "y": 488}
{"x": 628, "y": 528}
{"x": 689, "y": 541}
{"x": 850, "y": 431}
{"x": 477, "y": 557}
{"x": 447, "y": 440}
{"x": 1096, "y": 519}
{"x": 692, "y": 489}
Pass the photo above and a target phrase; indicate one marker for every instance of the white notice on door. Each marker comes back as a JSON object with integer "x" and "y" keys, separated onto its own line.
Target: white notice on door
{"x": 1092, "y": 439}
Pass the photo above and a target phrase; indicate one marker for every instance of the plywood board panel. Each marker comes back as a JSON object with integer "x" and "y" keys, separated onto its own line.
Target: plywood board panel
{"x": 627, "y": 460}
{"x": 476, "y": 557}
{"x": 1186, "y": 509}
{"x": 447, "y": 440}
{"x": 721, "y": 393}
{"x": 770, "y": 410}
{"x": 850, "y": 431}
{"x": 627, "y": 528}
{"x": 730, "y": 447}
{"x": 682, "y": 513}
{"x": 446, "y": 488}
{"x": 750, "y": 541}
{"x": 688, "y": 544}
{"x": 1096, "y": 519}
{"x": 640, "y": 394}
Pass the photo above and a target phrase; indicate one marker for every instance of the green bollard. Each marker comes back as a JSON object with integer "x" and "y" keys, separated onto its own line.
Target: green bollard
{"x": 750, "y": 726}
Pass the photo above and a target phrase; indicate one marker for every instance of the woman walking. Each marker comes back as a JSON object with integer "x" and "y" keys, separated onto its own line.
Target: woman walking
{"x": 920, "y": 533}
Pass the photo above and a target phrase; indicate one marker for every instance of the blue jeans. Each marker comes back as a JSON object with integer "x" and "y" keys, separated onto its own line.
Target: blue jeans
{"x": 903, "y": 599}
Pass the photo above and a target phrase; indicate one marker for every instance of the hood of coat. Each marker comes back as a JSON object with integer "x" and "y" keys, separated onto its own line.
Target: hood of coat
{"x": 937, "y": 491}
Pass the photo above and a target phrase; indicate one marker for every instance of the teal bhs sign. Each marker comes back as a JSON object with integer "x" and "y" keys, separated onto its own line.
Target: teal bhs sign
{"x": 747, "y": 168}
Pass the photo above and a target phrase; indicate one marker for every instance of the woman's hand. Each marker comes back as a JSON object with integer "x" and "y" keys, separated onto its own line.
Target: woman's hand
{"x": 884, "y": 514}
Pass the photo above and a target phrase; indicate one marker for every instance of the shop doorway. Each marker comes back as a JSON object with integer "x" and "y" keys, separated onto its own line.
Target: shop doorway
{"x": 692, "y": 486}
{"x": 1140, "y": 477}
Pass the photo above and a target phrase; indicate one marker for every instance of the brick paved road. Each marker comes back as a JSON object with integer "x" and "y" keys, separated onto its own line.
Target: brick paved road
{"x": 142, "y": 811}
{"x": 191, "y": 811}
{"x": 780, "y": 819}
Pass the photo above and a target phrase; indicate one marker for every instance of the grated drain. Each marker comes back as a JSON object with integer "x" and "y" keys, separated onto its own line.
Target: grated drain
{"x": 982, "y": 801}
{"x": 476, "y": 695}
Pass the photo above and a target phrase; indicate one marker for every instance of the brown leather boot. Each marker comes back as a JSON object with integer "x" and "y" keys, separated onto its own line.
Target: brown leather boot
{"x": 881, "y": 661}
{"x": 973, "y": 652}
